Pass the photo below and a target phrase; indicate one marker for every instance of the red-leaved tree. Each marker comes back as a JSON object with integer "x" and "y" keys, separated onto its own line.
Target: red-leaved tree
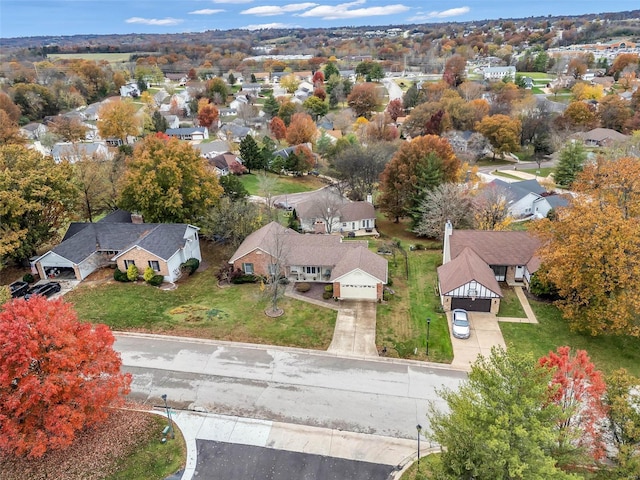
{"x": 278, "y": 128}
{"x": 578, "y": 389}
{"x": 57, "y": 375}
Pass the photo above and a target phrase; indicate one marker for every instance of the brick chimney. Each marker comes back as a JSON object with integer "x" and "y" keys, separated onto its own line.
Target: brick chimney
{"x": 136, "y": 218}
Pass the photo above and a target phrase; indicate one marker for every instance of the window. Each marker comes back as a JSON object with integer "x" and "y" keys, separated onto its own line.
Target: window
{"x": 273, "y": 269}
{"x": 155, "y": 265}
{"x": 248, "y": 268}
{"x": 312, "y": 270}
{"x": 127, "y": 263}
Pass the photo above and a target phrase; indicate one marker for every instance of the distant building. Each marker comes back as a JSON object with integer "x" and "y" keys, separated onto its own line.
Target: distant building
{"x": 498, "y": 73}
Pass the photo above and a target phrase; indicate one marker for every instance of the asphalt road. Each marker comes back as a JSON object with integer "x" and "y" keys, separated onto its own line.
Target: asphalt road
{"x": 382, "y": 396}
{"x": 225, "y": 460}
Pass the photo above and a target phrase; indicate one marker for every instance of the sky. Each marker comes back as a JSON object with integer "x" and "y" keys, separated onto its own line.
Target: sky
{"x": 23, "y": 18}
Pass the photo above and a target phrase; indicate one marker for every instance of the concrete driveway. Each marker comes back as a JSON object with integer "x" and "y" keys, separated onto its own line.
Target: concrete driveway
{"x": 355, "y": 330}
{"x": 485, "y": 333}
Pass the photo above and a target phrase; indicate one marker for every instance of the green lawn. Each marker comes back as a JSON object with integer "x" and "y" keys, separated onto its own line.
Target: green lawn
{"x": 199, "y": 308}
{"x": 608, "y": 353}
{"x": 283, "y": 185}
{"x": 539, "y": 76}
{"x": 541, "y": 172}
{"x": 510, "y": 306}
{"x": 498, "y": 173}
{"x": 96, "y": 57}
{"x": 491, "y": 162}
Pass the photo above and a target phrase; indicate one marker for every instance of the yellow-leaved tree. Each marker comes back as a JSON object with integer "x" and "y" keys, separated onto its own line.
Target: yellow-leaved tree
{"x": 118, "y": 120}
{"x": 591, "y": 251}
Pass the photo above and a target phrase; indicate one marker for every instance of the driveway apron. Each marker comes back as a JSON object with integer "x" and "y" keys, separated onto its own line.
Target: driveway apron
{"x": 355, "y": 330}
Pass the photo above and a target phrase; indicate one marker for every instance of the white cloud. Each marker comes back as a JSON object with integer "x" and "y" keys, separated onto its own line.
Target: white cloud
{"x": 206, "y": 11}
{"x": 163, "y": 22}
{"x": 344, "y": 11}
{"x": 268, "y": 10}
{"x": 452, "y": 12}
{"x": 232, "y": 1}
{"x": 266, "y": 26}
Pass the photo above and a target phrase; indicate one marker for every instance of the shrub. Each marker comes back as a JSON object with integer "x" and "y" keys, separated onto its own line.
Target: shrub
{"x": 132, "y": 273}
{"x": 27, "y": 278}
{"x": 243, "y": 278}
{"x": 120, "y": 276}
{"x": 190, "y": 266}
{"x": 303, "y": 287}
{"x": 156, "y": 280}
{"x": 327, "y": 295}
{"x": 149, "y": 273}
{"x": 386, "y": 295}
{"x": 328, "y": 288}
{"x": 389, "y": 282}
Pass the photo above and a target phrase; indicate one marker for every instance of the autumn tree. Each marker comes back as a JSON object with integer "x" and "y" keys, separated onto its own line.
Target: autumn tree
{"x": 318, "y": 78}
{"x": 118, "y": 120}
{"x": 208, "y": 114}
{"x": 500, "y": 423}
{"x": 395, "y": 109}
{"x": 36, "y": 200}
{"x": 571, "y": 161}
{"x": 446, "y": 202}
{"x": 454, "y": 70}
{"x": 9, "y": 131}
{"x": 360, "y": 166}
{"x": 10, "y": 108}
{"x": 58, "y": 376}
{"x": 590, "y": 252}
{"x": 379, "y": 129}
{"x": 417, "y": 166}
{"x": 302, "y": 129}
{"x": 299, "y": 161}
{"x": 69, "y": 129}
{"x": 166, "y": 181}
{"x": 577, "y": 67}
{"x": 277, "y": 128}
{"x": 232, "y": 220}
{"x": 614, "y": 112}
{"x": 577, "y": 388}
{"x": 622, "y": 399}
{"x": 91, "y": 177}
{"x": 290, "y": 83}
{"x": 217, "y": 91}
{"x": 502, "y": 131}
{"x": 490, "y": 209}
{"x": 315, "y": 107}
{"x": 363, "y": 98}
{"x": 286, "y": 111}
{"x": 580, "y": 114}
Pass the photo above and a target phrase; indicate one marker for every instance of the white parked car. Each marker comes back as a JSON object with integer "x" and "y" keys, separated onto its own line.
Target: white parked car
{"x": 460, "y": 325}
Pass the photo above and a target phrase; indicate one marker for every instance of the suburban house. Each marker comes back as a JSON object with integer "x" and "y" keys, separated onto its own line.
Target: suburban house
{"x": 188, "y": 133}
{"x": 131, "y": 89}
{"x": 211, "y": 149}
{"x": 474, "y": 261}
{"x": 601, "y": 137}
{"x": 329, "y": 212}
{"x": 121, "y": 239}
{"x": 226, "y": 163}
{"x": 232, "y": 132}
{"x": 528, "y": 198}
{"x": 73, "y": 152}
{"x": 354, "y": 271}
{"x": 498, "y": 73}
{"x": 33, "y": 131}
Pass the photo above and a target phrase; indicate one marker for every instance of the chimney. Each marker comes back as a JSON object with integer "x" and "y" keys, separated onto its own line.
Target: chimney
{"x": 370, "y": 199}
{"x": 446, "y": 247}
{"x": 136, "y": 218}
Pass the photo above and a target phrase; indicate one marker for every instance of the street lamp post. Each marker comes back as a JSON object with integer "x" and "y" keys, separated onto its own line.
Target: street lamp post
{"x": 419, "y": 429}
{"x": 428, "y": 325}
{"x": 164, "y": 397}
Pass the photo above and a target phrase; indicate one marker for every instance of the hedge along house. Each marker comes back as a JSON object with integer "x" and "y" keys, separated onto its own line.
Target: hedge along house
{"x": 475, "y": 261}
{"x": 354, "y": 271}
{"x": 117, "y": 240}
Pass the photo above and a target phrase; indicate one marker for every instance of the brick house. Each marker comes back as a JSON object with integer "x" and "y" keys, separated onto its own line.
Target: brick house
{"x": 354, "y": 271}
{"x": 475, "y": 261}
{"x": 117, "y": 239}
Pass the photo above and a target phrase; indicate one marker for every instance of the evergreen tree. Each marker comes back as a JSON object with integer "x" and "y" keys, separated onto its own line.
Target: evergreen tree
{"x": 572, "y": 158}
{"x": 271, "y": 106}
{"x": 250, "y": 153}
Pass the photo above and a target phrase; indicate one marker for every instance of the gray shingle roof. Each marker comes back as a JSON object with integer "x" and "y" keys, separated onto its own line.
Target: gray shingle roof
{"x": 518, "y": 190}
{"x": 162, "y": 239}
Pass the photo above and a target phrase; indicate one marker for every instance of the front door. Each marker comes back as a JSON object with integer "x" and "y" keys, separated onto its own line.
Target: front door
{"x": 519, "y": 272}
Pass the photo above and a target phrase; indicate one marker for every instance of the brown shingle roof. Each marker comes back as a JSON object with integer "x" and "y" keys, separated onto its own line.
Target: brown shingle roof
{"x": 356, "y": 211}
{"x": 365, "y": 260}
{"x": 464, "y": 268}
{"x": 494, "y": 247}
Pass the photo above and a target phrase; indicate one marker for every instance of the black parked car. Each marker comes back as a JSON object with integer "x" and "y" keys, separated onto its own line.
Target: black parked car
{"x": 45, "y": 289}
{"x": 19, "y": 289}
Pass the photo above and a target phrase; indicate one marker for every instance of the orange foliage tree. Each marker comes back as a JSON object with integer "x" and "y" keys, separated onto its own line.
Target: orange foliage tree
{"x": 417, "y": 167}
{"x": 208, "y": 114}
{"x": 278, "y": 128}
{"x": 363, "y": 98}
{"x": 302, "y": 129}
{"x": 591, "y": 251}
{"x": 578, "y": 389}
{"x": 57, "y": 376}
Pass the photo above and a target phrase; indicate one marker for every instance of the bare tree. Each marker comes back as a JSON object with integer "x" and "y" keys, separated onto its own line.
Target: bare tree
{"x": 448, "y": 201}
{"x": 266, "y": 187}
{"x": 327, "y": 207}
{"x": 278, "y": 247}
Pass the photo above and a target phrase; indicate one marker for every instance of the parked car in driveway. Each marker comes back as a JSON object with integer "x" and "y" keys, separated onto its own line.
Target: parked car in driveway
{"x": 19, "y": 289}
{"x": 45, "y": 289}
{"x": 460, "y": 326}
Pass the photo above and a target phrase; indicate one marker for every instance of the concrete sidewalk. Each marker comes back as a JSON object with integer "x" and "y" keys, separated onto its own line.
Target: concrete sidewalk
{"x": 290, "y": 437}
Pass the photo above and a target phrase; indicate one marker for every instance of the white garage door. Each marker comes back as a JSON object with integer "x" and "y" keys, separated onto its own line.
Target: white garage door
{"x": 351, "y": 291}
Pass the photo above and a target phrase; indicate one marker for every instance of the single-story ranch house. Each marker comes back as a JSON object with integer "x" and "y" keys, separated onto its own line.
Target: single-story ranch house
{"x": 355, "y": 272}
{"x": 117, "y": 239}
{"x": 474, "y": 261}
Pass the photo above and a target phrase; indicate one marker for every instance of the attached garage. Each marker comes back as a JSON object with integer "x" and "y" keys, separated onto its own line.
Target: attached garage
{"x": 358, "y": 285}
{"x": 471, "y": 304}
{"x": 360, "y": 292}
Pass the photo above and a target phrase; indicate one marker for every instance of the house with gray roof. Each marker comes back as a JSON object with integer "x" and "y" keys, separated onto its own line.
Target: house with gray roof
{"x": 327, "y": 211}
{"x": 188, "y": 133}
{"x": 73, "y": 152}
{"x": 527, "y": 198}
{"x": 354, "y": 271}
{"x": 121, "y": 239}
{"x": 475, "y": 261}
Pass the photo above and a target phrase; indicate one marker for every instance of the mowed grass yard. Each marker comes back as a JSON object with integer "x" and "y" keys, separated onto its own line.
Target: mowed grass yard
{"x": 200, "y": 308}
{"x": 283, "y": 184}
